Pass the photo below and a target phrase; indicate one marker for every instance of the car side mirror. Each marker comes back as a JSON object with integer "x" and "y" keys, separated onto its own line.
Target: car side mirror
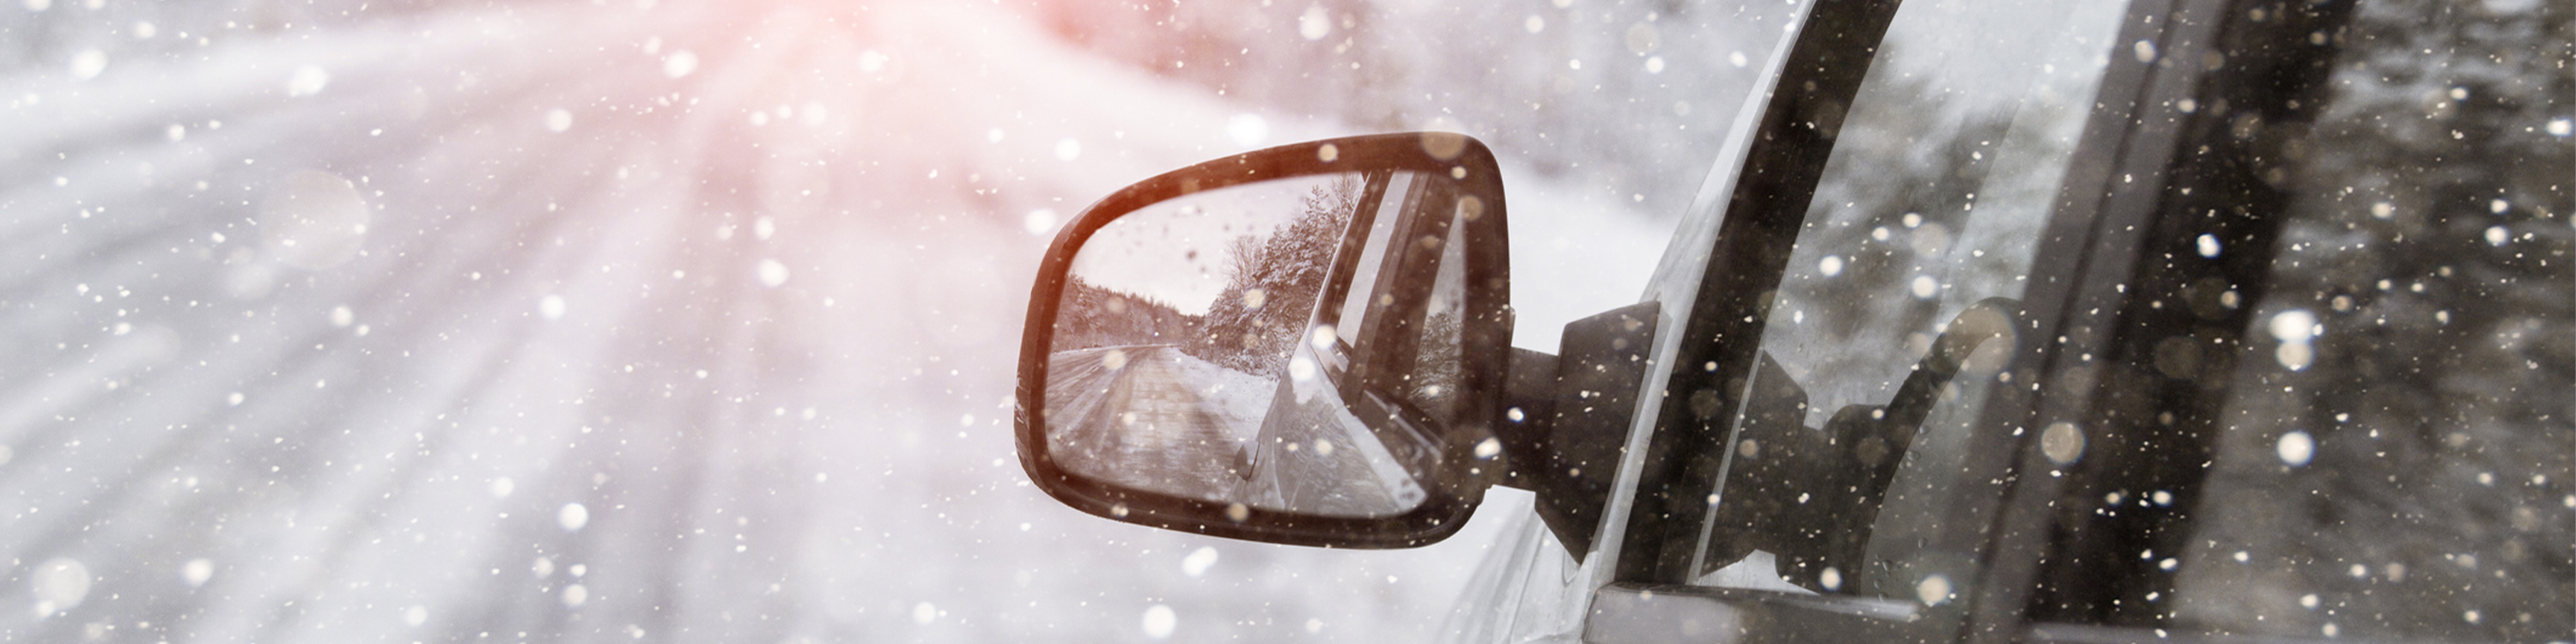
{"x": 1301, "y": 345}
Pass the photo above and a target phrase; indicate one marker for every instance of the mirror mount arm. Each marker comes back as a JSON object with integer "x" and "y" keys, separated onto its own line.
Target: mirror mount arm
{"x": 1529, "y": 409}
{"x": 1576, "y": 411}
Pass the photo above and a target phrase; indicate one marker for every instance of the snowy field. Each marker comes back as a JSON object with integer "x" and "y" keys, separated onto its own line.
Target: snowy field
{"x": 616, "y": 323}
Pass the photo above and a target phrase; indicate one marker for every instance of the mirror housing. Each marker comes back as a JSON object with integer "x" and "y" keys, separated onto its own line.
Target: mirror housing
{"x": 1448, "y": 470}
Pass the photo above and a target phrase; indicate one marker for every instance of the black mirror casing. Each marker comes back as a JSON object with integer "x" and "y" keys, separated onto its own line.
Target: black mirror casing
{"x": 1469, "y": 459}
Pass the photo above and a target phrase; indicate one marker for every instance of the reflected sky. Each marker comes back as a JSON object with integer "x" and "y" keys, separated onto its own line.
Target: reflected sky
{"x": 1178, "y": 251}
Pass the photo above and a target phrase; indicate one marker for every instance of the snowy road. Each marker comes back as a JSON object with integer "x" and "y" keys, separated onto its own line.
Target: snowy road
{"x": 574, "y": 323}
{"x": 1156, "y": 418}
{"x": 1145, "y": 422}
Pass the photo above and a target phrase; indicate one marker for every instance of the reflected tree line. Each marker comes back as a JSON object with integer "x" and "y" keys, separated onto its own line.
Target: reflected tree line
{"x": 1094, "y": 316}
{"x": 1272, "y": 284}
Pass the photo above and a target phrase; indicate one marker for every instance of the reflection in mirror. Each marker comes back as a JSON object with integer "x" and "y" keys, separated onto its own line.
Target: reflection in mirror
{"x": 1288, "y": 345}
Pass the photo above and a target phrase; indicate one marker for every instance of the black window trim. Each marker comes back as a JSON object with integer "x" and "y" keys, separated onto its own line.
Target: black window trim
{"x": 2103, "y": 208}
{"x": 2207, "y": 50}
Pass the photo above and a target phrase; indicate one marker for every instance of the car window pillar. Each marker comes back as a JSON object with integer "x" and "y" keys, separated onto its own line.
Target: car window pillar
{"x": 1821, "y": 74}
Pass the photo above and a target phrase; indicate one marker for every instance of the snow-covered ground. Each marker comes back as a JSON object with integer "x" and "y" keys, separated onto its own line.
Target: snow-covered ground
{"x": 1240, "y": 399}
{"x": 617, "y": 322}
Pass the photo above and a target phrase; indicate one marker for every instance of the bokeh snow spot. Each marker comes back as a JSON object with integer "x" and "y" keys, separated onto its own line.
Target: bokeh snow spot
{"x": 197, "y": 571}
{"x": 2294, "y": 328}
{"x": 1040, "y": 221}
{"x": 772, "y": 273}
{"x": 2063, "y": 442}
{"x": 60, "y": 584}
{"x": 1934, "y": 590}
{"x": 679, "y": 64}
{"x": 1315, "y": 24}
{"x": 88, "y": 64}
{"x": 572, "y": 517}
{"x": 2296, "y": 447}
{"x": 1159, "y": 621}
{"x": 307, "y": 81}
{"x": 1199, "y": 560}
{"x": 1247, "y": 130}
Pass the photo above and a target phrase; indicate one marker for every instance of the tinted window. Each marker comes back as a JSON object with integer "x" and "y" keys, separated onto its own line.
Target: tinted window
{"x": 2394, "y": 454}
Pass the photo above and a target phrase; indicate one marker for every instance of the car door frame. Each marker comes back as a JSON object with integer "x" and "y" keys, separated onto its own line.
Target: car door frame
{"x": 2105, "y": 207}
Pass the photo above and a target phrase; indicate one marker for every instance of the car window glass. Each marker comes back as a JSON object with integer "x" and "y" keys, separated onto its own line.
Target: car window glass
{"x": 2393, "y": 458}
{"x": 1918, "y": 240}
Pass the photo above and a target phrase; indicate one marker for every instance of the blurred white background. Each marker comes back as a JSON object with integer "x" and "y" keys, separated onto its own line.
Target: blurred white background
{"x": 592, "y": 321}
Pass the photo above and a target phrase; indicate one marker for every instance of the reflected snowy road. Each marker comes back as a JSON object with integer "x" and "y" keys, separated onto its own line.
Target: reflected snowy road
{"x": 1146, "y": 422}
{"x": 1157, "y": 418}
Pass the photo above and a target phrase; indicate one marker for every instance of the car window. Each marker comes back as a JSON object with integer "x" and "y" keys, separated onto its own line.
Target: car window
{"x": 2393, "y": 457}
{"x": 1899, "y": 301}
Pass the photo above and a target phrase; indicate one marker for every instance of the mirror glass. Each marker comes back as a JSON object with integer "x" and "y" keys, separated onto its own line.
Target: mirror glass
{"x": 1288, "y": 345}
